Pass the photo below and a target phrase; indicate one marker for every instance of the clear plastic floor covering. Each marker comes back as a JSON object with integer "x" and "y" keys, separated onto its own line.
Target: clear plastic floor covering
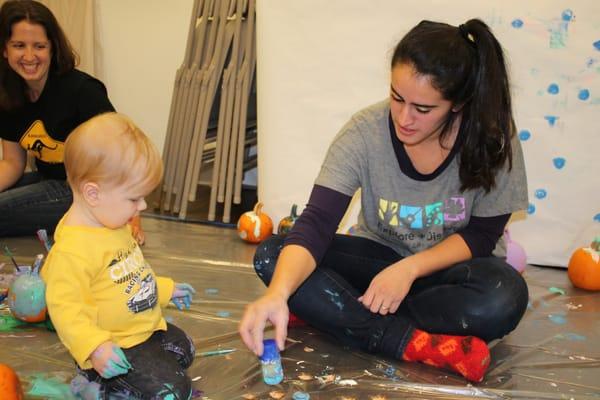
{"x": 553, "y": 354}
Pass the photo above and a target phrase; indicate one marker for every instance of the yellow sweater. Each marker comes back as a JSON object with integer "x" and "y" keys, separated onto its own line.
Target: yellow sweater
{"x": 100, "y": 288}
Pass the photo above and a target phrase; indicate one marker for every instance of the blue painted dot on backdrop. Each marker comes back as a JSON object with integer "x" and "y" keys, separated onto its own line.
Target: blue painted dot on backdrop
{"x": 531, "y": 209}
{"x": 223, "y": 314}
{"x": 597, "y": 217}
{"x": 541, "y": 193}
{"x": 567, "y": 15}
{"x": 559, "y": 162}
{"x": 553, "y": 88}
{"x": 584, "y": 94}
{"x": 517, "y": 23}
{"x": 524, "y": 135}
{"x": 597, "y": 44}
{"x": 551, "y": 119}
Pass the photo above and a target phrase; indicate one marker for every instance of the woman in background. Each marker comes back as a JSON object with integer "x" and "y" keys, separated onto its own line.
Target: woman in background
{"x": 43, "y": 97}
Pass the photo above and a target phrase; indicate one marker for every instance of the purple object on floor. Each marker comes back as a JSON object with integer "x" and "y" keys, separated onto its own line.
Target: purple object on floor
{"x": 515, "y": 254}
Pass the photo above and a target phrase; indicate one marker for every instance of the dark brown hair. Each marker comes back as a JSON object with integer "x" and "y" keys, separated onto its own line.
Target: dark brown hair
{"x": 466, "y": 64}
{"x": 64, "y": 58}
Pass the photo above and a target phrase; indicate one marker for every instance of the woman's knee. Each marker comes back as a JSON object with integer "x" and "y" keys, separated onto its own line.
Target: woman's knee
{"x": 506, "y": 298}
{"x": 266, "y": 256}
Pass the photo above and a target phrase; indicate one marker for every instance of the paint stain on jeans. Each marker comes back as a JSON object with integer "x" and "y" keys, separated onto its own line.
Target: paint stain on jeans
{"x": 335, "y": 298}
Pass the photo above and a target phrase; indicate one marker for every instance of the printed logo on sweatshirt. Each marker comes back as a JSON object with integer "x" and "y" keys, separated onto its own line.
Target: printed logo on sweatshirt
{"x": 128, "y": 266}
{"x": 408, "y": 222}
{"x": 37, "y": 141}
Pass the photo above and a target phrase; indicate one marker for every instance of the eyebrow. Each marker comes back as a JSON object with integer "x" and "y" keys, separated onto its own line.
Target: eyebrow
{"x": 415, "y": 104}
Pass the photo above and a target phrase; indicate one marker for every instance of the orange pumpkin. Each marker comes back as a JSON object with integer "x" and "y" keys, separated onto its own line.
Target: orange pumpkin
{"x": 255, "y": 226}
{"x": 287, "y": 223}
{"x": 10, "y": 386}
{"x": 584, "y": 267}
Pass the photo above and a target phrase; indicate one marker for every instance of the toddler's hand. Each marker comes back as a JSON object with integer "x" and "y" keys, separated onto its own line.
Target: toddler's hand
{"x": 109, "y": 360}
{"x": 182, "y": 295}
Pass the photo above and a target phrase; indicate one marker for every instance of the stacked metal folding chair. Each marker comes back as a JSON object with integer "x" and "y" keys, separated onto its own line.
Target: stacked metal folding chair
{"x": 220, "y": 49}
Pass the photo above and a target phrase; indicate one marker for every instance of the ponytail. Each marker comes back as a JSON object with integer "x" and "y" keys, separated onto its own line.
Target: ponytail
{"x": 487, "y": 121}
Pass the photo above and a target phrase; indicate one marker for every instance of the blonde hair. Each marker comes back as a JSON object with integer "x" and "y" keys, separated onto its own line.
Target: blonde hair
{"x": 110, "y": 149}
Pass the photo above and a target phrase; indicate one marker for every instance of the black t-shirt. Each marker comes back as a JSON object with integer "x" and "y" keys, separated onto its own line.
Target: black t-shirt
{"x": 43, "y": 126}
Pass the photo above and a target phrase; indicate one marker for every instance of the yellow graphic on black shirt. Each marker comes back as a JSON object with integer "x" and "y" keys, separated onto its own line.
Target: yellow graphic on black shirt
{"x": 37, "y": 141}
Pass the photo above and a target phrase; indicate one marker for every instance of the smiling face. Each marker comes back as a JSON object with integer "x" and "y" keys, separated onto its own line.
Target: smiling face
{"x": 418, "y": 109}
{"x": 29, "y": 52}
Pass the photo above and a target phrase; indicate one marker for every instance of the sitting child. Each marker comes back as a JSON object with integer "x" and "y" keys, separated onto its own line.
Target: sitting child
{"x": 103, "y": 297}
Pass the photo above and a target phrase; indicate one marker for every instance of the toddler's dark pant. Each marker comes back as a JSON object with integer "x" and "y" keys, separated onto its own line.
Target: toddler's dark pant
{"x": 159, "y": 369}
{"x": 483, "y": 297}
{"x": 32, "y": 204}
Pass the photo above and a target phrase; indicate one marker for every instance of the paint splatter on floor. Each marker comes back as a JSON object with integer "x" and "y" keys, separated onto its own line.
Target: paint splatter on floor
{"x": 556, "y": 290}
{"x": 277, "y": 394}
{"x": 300, "y": 396}
{"x": 305, "y": 377}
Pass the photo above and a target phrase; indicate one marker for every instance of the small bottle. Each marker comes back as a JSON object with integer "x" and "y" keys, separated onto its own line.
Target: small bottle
{"x": 271, "y": 363}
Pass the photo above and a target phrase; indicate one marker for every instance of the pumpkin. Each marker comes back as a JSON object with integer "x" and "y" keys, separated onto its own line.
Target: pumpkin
{"x": 287, "y": 223}
{"x": 27, "y": 296}
{"x": 584, "y": 267}
{"x": 515, "y": 254}
{"x": 255, "y": 226}
{"x": 10, "y": 386}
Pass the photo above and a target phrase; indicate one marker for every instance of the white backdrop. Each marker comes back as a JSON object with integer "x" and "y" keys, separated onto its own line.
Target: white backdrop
{"x": 321, "y": 61}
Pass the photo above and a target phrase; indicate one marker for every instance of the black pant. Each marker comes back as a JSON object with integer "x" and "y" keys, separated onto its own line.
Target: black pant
{"x": 158, "y": 369}
{"x": 483, "y": 297}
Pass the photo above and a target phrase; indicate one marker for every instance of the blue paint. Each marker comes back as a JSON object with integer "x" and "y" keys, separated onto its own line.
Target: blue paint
{"x": 300, "y": 396}
{"x": 559, "y": 162}
{"x": 553, "y": 88}
{"x": 335, "y": 299}
{"x": 584, "y": 94}
{"x": 390, "y": 372}
{"x": 597, "y": 217}
{"x": 270, "y": 362}
{"x": 530, "y": 209}
{"x": 517, "y": 23}
{"x": 524, "y": 135}
{"x": 597, "y": 45}
{"x": 567, "y": 15}
{"x": 529, "y": 305}
{"x": 558, "y": 319}
{"x": 573, "y": 336}
{"x": 551, "y": 119}
{"x": 223, "y": 314}
{"x": 211, "y": 291}
{"x": 541, "y": 194}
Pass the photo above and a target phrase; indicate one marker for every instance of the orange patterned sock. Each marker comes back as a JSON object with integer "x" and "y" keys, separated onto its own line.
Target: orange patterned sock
{"x": 467, "y": 355}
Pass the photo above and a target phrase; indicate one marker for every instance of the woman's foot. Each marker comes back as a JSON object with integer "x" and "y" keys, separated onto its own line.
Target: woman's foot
{"x": 467, "y": 355}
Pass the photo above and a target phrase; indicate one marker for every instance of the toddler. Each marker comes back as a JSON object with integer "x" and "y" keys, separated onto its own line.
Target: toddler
{"x": 103, "y": 297}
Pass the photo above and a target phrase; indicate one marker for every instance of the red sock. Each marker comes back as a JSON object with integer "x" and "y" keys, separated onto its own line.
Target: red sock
{"x": 294, "y": 321}
{"x": 467, "y": 355}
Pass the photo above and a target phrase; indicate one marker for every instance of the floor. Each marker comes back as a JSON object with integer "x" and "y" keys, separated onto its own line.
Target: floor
{"x": 553, "y": 354}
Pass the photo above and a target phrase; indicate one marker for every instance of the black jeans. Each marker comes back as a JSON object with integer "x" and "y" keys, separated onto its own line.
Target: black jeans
{"x": 483, "y": 297}
{"x": 32, "y": 204}
{"x": 158, "y": 369}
